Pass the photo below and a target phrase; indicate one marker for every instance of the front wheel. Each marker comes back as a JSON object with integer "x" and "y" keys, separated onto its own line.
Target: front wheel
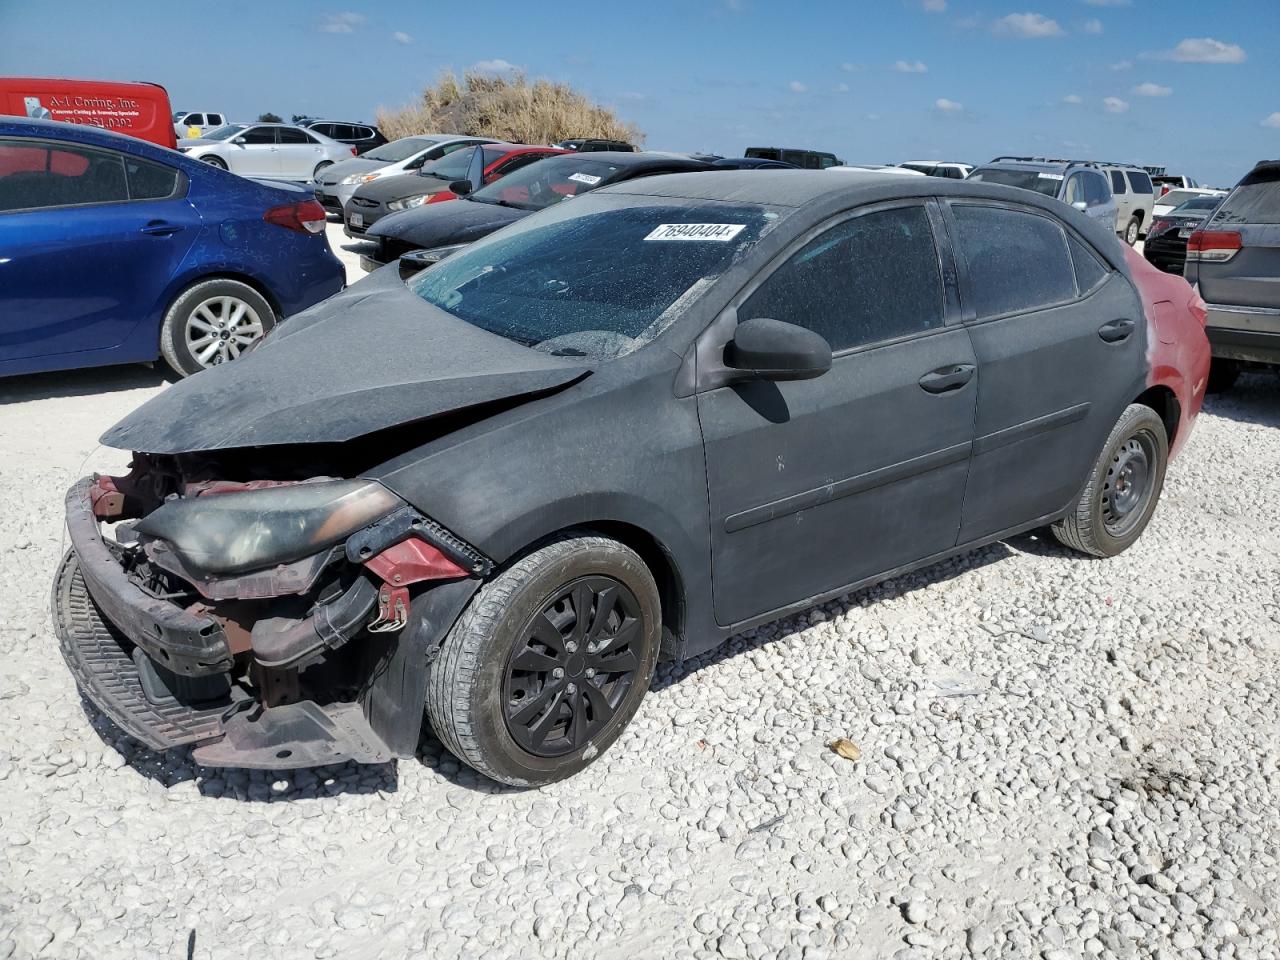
{"x": 1123, "y": 488}
{"x": 1131, "y": 231}
{"x": 320, "y": 168}
{"x": 214, "y": 161}
{"x": 549, "y": 662}
{"x": 213, "y": 322}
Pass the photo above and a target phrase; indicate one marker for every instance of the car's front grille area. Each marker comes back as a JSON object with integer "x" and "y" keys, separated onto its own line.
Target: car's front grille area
{"x": 363, "y": 202}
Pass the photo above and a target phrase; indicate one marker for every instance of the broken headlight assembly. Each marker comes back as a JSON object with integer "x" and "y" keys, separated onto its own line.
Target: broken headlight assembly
{"x": 228, "y": 533}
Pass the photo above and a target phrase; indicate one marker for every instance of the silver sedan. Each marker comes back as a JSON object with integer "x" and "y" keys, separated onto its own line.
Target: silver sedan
{"x": 279, "y": 150}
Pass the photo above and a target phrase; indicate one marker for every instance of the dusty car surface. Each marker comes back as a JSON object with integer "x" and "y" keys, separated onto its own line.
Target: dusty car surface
{"x": 624, "y": 428}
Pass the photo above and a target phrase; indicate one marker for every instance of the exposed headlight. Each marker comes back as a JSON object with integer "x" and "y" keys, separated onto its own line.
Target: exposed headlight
{"x": 230, "y": 533}
{"x": 355, "y": 178}
{"x": 406, "y": 203}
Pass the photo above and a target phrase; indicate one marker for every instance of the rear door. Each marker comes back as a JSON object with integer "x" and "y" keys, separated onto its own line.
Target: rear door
{"x": 1061, "y": 347}
{"x": 88, "y": 240}
{"x": 817, "y": 484}
{"x": 300, "y": 153}
{"x": 1249, "y": 221}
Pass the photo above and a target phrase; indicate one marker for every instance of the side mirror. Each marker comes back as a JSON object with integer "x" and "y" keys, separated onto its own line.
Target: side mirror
{"x": 774, "y": 350}
{"x": 1081, "y": 206}
{"x": 238, "y": 141}
{"x": 460, "y": 187}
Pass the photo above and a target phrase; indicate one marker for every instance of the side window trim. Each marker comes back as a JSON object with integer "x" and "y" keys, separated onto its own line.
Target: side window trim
{"x": 970, "y": 314}
{"x": 783, "y": 256}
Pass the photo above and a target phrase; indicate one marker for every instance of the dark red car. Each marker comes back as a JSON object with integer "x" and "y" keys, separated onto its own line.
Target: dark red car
{"x": 479, "y": 165}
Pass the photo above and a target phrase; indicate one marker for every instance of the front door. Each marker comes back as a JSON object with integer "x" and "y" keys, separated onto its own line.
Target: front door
{"x": 818, "y": 484}
{"x": 1061, "y": 346}
{"x": 253, "y": 153}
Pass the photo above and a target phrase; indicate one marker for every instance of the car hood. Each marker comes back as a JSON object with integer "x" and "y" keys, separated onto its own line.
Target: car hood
{"x": 437, "y": 225}
{"x": 345, "y": 168}
{"x": 373, "y": 357}
{"x": 400, "y": 185}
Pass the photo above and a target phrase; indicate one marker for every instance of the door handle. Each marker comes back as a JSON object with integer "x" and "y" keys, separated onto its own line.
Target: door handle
{"x": 946, "y": 379}
{"x": 162, "y": 228}
{"x": 1116, "y": 330}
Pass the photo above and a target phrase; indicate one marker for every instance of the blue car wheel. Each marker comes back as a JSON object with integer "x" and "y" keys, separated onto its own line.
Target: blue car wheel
{"x": 213, "y": 322}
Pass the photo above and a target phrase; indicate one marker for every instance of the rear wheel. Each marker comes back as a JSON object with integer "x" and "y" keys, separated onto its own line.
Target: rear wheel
{"x": 213, "y": 322}
{"x": 1123, "y": 489}
{"x": 548, "y": 663}
{"x": 214, "y": 161}
{"x": 1131, "y": 231}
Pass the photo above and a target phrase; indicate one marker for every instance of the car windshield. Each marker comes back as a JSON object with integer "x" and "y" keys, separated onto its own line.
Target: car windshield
{"x": 547, "y": 182}
{"x": 225, "y": 132}
{"x": 1037, "y": 180}
{"x": 450, "y": 167}
{"x": 1197, "y": 204}
{"x": 595, "y": 279}
{"x": 1175, "y": 197}
{"x": 398, "y": 150}
{"x": 926, "y": 168}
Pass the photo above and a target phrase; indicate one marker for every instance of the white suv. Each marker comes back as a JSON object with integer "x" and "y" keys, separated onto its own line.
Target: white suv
{"x": 939, "y": 168}
{"x": 1135, "y": 196}
{"x": 184, "y": 120}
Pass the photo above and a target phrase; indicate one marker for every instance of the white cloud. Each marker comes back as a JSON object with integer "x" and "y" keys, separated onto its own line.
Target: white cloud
{"x": 1273, "y": 120}
{"x": 1114, "y": 105}
{"x": 935, "y": 6}
{"x": 1149, "y": 89}
{"x": 1204, "y": 50}
{"x": 948, "y": 106}
{"x": 1122, "y": 65}
{"x": 853, "y": 67}
{"x": 910, "y": 66}
{"x": 1027, "y": 26}
{"x": 840, "y": 88}
{"x": 497, "y": 65}
{"x": 795, "y": 86}
{"x": 1073, "y": 98}
{"x": 1092, "y": 26}
{"x": 401, "y": 37}
{"x": 341, "y": 22}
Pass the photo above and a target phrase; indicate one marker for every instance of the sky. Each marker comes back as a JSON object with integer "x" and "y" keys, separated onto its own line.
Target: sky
{"x": 1189, "y": 85}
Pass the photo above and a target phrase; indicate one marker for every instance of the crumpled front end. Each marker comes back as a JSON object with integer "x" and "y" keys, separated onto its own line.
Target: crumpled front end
{"x": 271, "y": 623}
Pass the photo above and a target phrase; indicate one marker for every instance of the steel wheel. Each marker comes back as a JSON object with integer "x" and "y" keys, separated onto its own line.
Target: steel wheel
{"x": 220, "y": 327}
{"x": 1127, "y": 488}
{"x": 572, "y": 669}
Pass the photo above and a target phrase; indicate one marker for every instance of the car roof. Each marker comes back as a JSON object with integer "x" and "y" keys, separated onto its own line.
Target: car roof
{"x": 639, "y": 160}
{"x": 74, "y": 132}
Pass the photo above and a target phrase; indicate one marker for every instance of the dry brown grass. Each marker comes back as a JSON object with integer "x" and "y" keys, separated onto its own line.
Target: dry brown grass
{"x": 506, "y": 107}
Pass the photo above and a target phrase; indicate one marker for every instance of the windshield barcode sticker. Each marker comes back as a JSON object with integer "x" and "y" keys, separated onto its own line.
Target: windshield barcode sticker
{"x": 1049, "y": 176}
{"x": 720, "y": 232}
{"x": 586, "y": 178}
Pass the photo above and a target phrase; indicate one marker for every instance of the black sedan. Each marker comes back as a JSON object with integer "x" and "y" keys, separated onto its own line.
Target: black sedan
{"x": 623, "y": 429}
{"x": 542, "y": 185}
{"x": 1166, "y": 242}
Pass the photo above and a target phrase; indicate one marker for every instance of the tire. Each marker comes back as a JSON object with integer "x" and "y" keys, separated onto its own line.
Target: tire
{"x": 476, "y": 684}
{"x": 1131, "y": 231}
{"x": 1110, "y": 515}
{"x": 191, "y": 324}
{"x": 214, "y": 162}
{"x": 320, "y": 168}
{"x": 1223, "y": 375}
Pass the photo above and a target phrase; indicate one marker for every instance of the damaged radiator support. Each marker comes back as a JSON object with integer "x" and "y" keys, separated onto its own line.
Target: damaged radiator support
{"x": 283, "y": 642}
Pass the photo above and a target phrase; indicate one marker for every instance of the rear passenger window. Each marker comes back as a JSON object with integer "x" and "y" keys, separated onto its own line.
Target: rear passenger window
{"x": 1016, "y": 261}
{"x": 1117, "y": 181}
{"x": 1089, "y": 270}
{"x": 259, "y": 135}
{"x": 871, "y": 278}
{"x": 1140, "y": 182}
{"x": 295, "y": 135}
{"x": 36, "y": 175}
{"x": 215, "y": 119}
{"x": 151, "y": 181}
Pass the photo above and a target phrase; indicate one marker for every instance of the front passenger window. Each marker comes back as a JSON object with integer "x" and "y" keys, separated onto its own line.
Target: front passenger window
{"x": 871, "y": 278}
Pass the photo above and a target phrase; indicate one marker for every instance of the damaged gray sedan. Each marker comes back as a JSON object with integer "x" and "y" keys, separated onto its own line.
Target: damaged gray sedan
{"x": 498, "y": 493}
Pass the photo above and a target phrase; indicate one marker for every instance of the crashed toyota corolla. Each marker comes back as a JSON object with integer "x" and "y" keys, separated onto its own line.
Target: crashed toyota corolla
{"x": 620, "y": 430}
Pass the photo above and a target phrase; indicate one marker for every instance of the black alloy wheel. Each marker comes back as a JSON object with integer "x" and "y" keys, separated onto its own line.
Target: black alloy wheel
{"x": 578, "y": 658}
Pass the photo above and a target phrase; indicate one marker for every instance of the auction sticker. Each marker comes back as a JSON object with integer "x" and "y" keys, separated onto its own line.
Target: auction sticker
{"x": 586, "y": 178}
{"x": 720, "y": 232}
{"x": 1049, "y": 176}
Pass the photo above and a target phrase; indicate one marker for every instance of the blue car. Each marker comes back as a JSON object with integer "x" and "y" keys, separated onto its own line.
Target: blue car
{"x": 113, "y": 250}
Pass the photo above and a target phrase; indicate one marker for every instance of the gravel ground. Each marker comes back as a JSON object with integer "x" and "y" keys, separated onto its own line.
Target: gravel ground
{"x": 1059, "y": 758}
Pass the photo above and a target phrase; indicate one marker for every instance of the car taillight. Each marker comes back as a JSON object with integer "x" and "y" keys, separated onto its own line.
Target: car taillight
{"x": 1157, "y": 226}
{"x": 306, "y": 216}
{"x": 1213, "y": 246}
{"x": 1165, "y": 188}
{"x": 353, "y": 151}
{"x": 1197, "y": 307}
